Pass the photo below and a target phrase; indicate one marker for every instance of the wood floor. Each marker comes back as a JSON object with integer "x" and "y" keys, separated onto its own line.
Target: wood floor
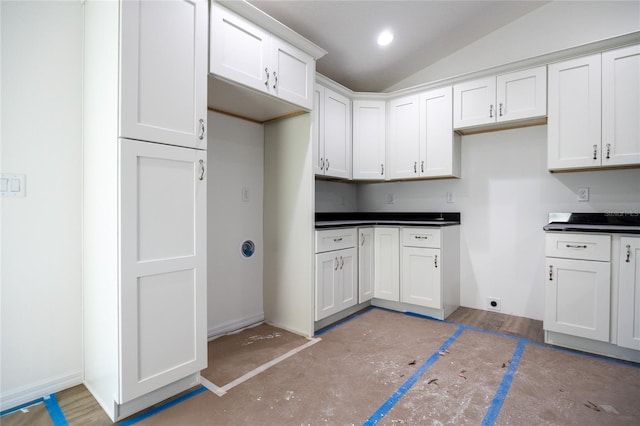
{"x": 80, "y": 408}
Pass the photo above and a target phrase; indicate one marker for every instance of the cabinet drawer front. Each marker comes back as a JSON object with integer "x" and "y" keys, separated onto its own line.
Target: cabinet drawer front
{"x": 335, "y": 239}
{"x": 578, "y": 246}
{"x": 421, "y": 237}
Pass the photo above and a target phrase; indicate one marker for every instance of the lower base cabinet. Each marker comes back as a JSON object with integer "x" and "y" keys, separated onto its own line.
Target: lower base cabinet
{"x": 366, "y": 271}
{"x": 386, "y": 263}
{"x": 629, "y": 294}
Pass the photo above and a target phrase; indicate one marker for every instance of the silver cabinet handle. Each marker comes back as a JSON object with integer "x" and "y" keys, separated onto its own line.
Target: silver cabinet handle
{"x": 415, "y": 167}
{"x": 435, "y": 260}
{"x": 326, "y": 165}
{"x": 608, "y": 151}
{"x": 266, "y": 83}
{"x": 422, "y": 167}
{"x": 550, "y": 272}
{"x": 490, "y": 111}
{"x": 362, "y": 235}
{"x": 341, "y": 262}
{"x": 322, "y": 164}
{"x": 577, "y": 246}
{"x": 595, "y": 152}
{"x": 628, "y": 259}
{"x": 275, "y": 83}
{"x": 201, "y": 170}
{"x": 500, "y": 109}
{"x": 382, "y": 169}
{"x": 335, "y": 268}
{"x": 337, "y": 240}
{"x": 421, "y": 237}
{"x": 202, "y": 129}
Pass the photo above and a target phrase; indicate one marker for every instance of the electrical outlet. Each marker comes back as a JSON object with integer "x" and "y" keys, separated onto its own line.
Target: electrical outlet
{"x": 494, "y": 304}
{"x": 583, "y": 194}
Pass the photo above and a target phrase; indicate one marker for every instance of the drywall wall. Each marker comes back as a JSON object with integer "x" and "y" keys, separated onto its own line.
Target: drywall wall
{"x": 234, "y": 214}
{"x": 555, "y": 26}
{"x": 41, "y": 292}
{"x": 334, "y": 196}
{"x": 504, "y": 196}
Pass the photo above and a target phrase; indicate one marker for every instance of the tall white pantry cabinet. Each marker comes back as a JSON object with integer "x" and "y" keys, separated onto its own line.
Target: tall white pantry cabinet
{"x": 144, "y": 207}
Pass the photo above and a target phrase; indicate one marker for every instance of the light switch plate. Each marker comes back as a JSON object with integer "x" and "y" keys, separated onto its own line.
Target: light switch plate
{"x": 13, "y": 185}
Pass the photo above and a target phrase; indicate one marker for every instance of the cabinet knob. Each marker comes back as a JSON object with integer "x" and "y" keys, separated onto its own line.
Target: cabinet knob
{"x": 628, "y": 259}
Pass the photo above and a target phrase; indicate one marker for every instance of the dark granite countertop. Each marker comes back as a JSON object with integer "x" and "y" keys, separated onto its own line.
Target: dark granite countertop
{"x": 610, "y": 222}
{"x": 344, "y": 219}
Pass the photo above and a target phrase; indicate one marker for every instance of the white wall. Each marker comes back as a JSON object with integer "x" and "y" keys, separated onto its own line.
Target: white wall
{"x": 235, "y": 161}
{"x": 336, "y": 196}
{"x": 41, "y": 294}
{"x": 504, "y": 196}
{"x": 554, "y": 26}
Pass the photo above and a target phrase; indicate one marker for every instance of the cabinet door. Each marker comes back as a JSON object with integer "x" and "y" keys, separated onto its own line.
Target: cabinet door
{"x": 348, "y": 278}
{"x": 522, "y": 94}
{"x": 365, "y": 264}
{"x": 327, "y": 265}
{"x": 420, "y": 279}
{"x": 439, "y": 146}
{"x": 292, "y": 74}
{"x": 474, "y": 103}
{"x": 317, "y": 130}
{"x": 621, "y": 106}
{"x": 387, "y": 264}
{"x": 403, "y": 146}
{"x": 629, "y": 294}
{"x": 239, "y": 51}
{"x": 163, "y": 92}
{"x": 577, "y": 298}
{"x": 573, "y": 124}
{"x": 337, "y": 135}
{"x": 369, "y": 119}
{"x": 163, "y": 311}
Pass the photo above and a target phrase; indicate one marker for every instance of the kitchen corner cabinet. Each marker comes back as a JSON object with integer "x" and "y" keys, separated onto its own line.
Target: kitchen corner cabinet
{"x": 594, "y": 104}
{"x": 386, "y": 263}
{"x": 244, "y": 53}
{"x": 331, "y": 134}
{"x": 366, "y": 271}
{"x": 164, "y": 72}
{"x": 144, "y": 201}
{"x": 369, "y": 145}
{"x": 629, "y": 294}
{"x": 498, "y": 99}
{"x": 336, "y": 271}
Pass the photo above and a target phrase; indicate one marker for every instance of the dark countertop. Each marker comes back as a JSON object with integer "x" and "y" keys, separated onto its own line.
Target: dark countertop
{"x": 344, "y": 219}
{"x": 626, "y": 223}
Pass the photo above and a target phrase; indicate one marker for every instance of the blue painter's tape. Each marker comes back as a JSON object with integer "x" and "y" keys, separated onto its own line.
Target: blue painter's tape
{"x": 163, "y": 407}
{"x": 397, "y": 395}
{"x": 56, "y": 414}
{"x": 503, "y": 389}
{"x": 21, "y": 406}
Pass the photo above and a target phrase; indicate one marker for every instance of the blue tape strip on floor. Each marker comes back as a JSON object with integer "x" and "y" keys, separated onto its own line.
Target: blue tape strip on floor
{"x": 503, "y": 389}
{"x": 56, "y": 414}
{"x": 163, "y": 407}
{"x": 21, "y": 406}
{"x": 397, "y": 395}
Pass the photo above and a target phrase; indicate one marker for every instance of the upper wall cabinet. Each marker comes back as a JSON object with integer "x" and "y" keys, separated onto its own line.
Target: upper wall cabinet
{"x": 403, "y": 147}
{"x": 594, "y": 105}
{"x": 369, "y": 123}
{"x": 506, "y": 98}
{"x": 331, "y": 134}
{"x": 242, "y": 52}
{"x": 164, "y": 72}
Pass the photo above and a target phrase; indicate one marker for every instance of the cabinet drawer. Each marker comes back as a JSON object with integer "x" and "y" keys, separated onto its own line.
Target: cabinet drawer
{"x": 578, "y": 246}
{"x": 335, "y": 239}
{"x": 421, "y": 237}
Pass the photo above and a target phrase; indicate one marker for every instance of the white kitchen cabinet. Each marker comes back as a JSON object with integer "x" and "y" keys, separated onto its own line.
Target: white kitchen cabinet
{"x": 336, "y": 271}
{"x": 332, "y": 134}
{"x": 520, "y": 95}
{"x": 366, "y": 270}
{"x": 164, "y": 72}
{"x": 578, "y": 285}
{"x": 403, "y": 145}
{"x": 163, "y": 312}
{"x": 621, "y": 106}
{"x": 420, "y": 278}
{"x": 629, "y": 294}
{"x": 439, "y": 144}
{"x": 144, "y": 202}
{"x": 244, "y": 53}
{"x": 386, "y": 263}
{"x": 593, "y": 111}
{"x": 369, "y": 139}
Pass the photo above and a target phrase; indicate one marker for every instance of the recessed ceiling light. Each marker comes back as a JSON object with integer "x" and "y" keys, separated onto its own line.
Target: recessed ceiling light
{"x": 385, "y": 37}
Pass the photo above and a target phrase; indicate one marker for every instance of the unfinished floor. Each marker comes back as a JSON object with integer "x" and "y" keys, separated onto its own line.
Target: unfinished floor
{"x": 389, "y": 368}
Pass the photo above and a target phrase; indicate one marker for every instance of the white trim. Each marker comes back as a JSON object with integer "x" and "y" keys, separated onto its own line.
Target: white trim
{"x": 31, "y": 392}
{"x": 235, "y": 325}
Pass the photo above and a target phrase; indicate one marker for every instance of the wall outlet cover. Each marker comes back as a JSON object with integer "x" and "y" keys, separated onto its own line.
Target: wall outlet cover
{"x": 494, "y": 304}
{"x": 583, "y": 194}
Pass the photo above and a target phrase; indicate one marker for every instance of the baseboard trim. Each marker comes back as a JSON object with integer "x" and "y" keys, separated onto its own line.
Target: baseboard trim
{"x": 235, "y": 325}
{"x": 38, "y": 390}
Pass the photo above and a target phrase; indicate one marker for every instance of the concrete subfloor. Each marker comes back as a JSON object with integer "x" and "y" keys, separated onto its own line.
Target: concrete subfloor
{"x": 392, "y": 368}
